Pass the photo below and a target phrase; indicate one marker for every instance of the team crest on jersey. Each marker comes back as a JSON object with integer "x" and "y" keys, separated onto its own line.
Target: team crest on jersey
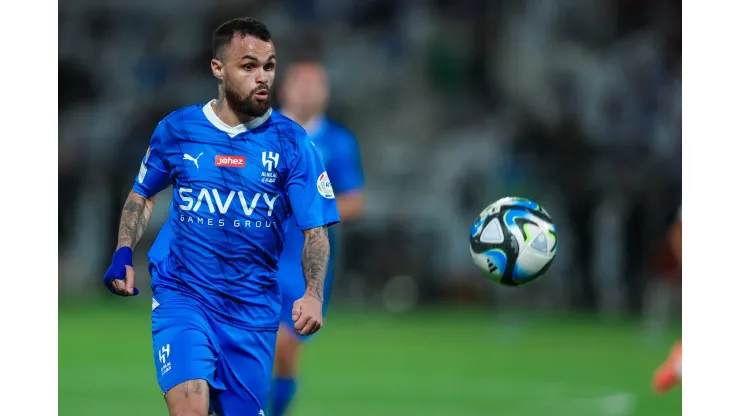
{"x": 270, "y": 162}
{"x": 323, "y": 184}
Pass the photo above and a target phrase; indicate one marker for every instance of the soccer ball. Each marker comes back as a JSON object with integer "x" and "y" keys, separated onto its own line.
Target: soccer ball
{"x": 513, "y": 241}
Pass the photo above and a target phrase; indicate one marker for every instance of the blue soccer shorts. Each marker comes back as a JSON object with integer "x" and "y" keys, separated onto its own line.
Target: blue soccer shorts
{"x": 236, "y": 363}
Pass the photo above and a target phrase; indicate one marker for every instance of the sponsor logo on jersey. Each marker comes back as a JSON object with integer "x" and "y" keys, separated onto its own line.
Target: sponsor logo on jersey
{"x": 225, "y": 161}
{"x": 192, "y": 202}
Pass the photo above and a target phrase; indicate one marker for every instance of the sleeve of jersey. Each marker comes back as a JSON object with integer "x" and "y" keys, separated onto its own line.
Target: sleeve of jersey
{"x": 309, "y": 189}
{"x": 154, "y": 174}
{"x": 347, "y": 175}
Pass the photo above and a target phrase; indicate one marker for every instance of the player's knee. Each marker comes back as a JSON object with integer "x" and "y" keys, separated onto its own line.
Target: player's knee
{"x": 189, "y": 398}
{"x": 284, "y": 363}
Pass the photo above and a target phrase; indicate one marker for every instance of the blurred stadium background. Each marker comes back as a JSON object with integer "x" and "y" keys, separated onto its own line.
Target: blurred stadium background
{"x": 573, "y": 103}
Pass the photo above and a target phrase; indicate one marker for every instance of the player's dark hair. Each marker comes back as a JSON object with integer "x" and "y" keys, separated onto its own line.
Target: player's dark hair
{"x": 242, "y": 27}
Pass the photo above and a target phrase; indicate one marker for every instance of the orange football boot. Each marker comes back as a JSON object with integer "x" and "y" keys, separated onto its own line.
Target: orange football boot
{"x": 668, "y": 375}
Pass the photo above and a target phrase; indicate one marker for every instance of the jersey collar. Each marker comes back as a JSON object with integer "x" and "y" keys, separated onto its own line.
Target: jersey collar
{"x": 233, "y": 131}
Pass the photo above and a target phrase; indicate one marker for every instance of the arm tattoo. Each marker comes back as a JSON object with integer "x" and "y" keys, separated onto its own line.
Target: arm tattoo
{"x": 137, "y": 211}
{"x": 315, "y": 260}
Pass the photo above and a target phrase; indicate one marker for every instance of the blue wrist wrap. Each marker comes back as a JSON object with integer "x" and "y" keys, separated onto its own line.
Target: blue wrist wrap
{"x": 117, "y": 271}
{"x": 124, "y": 256}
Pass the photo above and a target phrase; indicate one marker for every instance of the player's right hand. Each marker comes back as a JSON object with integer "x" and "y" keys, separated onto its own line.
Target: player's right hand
{"x": 119, "y": 278}
{"x": 307, "y": 315}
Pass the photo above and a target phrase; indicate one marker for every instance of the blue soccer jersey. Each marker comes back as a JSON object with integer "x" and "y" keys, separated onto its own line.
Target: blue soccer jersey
{"x": 235, "y": 189}
{"x": 340, "y": 154}
{"x": 216, "y": 300}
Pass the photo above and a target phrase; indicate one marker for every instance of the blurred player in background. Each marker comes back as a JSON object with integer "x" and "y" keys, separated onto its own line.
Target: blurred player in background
{"x": 304, "y": 97}
{"x": 240, "y": 171}
{"x": 668, "y": 375}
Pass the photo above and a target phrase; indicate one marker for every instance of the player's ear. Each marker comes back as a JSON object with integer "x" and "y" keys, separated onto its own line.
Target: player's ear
{"x": 217, "y": 69}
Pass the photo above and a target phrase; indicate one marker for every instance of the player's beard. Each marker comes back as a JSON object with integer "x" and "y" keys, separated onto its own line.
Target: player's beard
{"x": 248, "y": 105}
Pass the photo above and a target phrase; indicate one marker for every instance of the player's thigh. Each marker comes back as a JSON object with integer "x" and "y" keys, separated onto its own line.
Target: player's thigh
{"x": 189, "y": 398}
{"x": 245, "y": 368}
{"x": 184, "y": 347}
{"x": 287, "y": 351}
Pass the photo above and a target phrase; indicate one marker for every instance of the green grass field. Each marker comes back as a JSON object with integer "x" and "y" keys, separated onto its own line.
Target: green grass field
{"x": 427, "y": 363}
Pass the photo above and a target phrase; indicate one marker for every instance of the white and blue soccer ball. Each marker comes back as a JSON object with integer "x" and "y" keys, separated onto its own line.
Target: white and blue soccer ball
{"x": 513, "y": 241}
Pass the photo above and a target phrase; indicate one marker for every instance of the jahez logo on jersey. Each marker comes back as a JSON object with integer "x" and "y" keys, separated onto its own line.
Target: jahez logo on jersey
{"x": 223, "y": 161}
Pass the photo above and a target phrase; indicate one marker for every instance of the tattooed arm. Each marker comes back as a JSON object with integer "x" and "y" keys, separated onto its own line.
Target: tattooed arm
{"x": 315, "y": 260}
{"x": 119, "y": 278}
{"x": 154, "y": 176}
{"x": 137, "y": 211}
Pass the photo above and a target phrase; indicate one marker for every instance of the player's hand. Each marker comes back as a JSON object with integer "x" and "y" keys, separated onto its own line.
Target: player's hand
{"x": 119, "y": 278}
{"x": 307, "y": 315}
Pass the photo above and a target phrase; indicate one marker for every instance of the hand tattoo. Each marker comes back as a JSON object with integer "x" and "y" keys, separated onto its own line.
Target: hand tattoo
{"x": 315, "y": 260}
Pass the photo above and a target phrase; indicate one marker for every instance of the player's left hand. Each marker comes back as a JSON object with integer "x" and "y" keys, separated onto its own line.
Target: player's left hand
{"x": 307, "y": 315}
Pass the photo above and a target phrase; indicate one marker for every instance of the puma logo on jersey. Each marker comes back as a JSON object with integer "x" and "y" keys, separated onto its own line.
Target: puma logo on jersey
{"x": 193, "y": 159}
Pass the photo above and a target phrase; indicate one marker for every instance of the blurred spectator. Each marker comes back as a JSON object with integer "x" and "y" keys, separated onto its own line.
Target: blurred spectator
{"x": 75, "y": 85}
{"x": 575, "y": 160}
{"x": 70, "y": 182}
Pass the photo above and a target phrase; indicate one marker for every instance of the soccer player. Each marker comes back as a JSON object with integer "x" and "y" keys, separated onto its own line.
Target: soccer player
{"x": 668, "y": 375}
{"x": 239, "y": 171}
{"x": 304, "y": 97}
